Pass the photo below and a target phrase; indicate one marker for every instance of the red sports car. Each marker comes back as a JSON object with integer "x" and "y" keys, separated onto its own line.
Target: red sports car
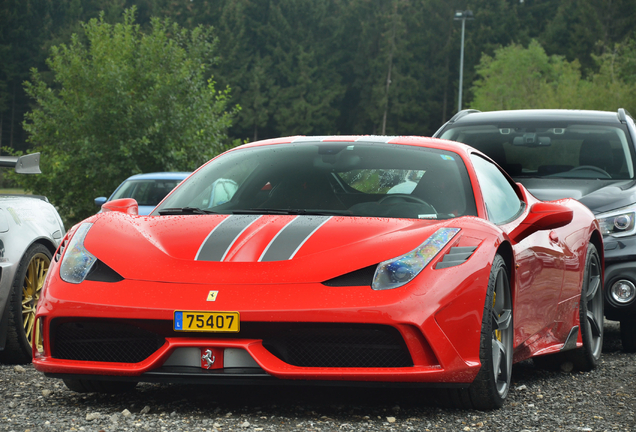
{"x": 355, "y": 259}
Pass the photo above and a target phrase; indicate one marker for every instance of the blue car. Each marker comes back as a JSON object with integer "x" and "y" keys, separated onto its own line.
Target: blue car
{"x": 147, "y": 189}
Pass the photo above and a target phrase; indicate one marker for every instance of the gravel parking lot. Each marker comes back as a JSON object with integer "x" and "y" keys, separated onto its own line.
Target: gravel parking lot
{"x": 540, "y": 400}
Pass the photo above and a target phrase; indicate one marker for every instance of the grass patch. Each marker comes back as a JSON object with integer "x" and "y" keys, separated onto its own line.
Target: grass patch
{"x": 12, "y": 191}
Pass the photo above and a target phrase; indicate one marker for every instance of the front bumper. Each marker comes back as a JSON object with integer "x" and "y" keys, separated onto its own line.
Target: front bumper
{"x": 620, "y": 263}
{"x": 438, "y": 329}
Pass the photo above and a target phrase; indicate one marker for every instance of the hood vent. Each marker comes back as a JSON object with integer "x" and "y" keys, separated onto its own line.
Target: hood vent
{"x": 456, "y": 256}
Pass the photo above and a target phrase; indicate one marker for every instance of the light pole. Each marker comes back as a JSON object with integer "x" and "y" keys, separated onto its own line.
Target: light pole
{"x": 462, "y": 16}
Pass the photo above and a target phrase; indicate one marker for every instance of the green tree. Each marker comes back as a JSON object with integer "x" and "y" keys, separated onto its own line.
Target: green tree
{"x": 124, "y": 102}
{"x": 582, "y": 29}
{"x": 613, "y": 85}
{"x": 518, "y": 77}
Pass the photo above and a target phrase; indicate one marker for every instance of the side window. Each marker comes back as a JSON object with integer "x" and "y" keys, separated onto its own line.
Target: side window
{"x": 501, "y": 200}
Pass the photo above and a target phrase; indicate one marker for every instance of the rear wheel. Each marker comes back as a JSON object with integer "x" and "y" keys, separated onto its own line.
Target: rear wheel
{"x": 591, "y": 315}
{"x": 98, "y": 386}
{"x": 490, "y": 388}
{"x": 628, "y": 335}
{"x": 23, "y": 301}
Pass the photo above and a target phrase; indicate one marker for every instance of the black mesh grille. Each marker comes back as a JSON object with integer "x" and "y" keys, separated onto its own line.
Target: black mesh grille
{"x": 352, "y": 346}
{"x": 103, "y": 341}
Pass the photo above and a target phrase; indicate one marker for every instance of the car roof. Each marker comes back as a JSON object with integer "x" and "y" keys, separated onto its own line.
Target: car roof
{"x": 160, "y": 176}
{"x": 473, "y": 116}
{"x": 429, "y": 142}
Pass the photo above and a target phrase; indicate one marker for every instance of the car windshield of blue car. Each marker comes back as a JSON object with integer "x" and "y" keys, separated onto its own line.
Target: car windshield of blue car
{"x": 349, "y": 179}
{"x": 553, "y": 150}
{"x": 145, "y": 192}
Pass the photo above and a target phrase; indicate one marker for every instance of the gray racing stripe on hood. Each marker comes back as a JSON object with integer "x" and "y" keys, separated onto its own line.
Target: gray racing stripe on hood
{"x": 289, "y": 239}
{"x": 223, "y": 236}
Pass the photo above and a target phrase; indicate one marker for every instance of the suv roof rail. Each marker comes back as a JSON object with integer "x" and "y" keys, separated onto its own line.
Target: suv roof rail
{"x": 623, "y": 114}
{"x": 461, "y": 114}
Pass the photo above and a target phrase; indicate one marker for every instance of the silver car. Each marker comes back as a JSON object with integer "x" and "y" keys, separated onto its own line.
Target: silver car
{"x": 30, "y": 232}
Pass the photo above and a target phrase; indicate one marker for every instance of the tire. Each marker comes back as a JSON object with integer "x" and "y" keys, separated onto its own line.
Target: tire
{"x": 490, "y": 387}
{"x": 591, "y": 318}
{"x": 98, "y": 386}
{"x": 25, "y": 292}
{"x": 628, "y": 335}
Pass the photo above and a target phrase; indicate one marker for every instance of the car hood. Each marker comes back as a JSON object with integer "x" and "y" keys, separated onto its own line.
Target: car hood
{"x": 598, "y": 195}
{"x": 250, "y": 248}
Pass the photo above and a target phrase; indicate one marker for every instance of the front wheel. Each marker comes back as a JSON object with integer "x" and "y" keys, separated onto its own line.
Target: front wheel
{"x": 490, "y": 388}
{"x": 23, "y": 301}
{"x": 591, "y": 318}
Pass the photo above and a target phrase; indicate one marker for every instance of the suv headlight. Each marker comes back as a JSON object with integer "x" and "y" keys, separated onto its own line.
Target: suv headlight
{"x": 618, "y": 223}
{"x": 77, "y": 260}
{"x": 398, "y": 271}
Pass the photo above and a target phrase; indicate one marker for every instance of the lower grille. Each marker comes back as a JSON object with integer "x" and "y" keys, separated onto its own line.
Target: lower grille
{"x": 104, "y": 342}
{"x": 340, "y": 346}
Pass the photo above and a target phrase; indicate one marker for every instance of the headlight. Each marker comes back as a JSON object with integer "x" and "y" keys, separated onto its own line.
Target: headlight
{"x": 618, "y": 223}
{"x": 401, "y": 270}
{"x": 77, "y": 261}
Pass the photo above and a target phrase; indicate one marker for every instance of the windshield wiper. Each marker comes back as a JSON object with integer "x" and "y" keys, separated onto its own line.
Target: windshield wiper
{"x": 273, "y": 211}
{"x": 184, "y": 211}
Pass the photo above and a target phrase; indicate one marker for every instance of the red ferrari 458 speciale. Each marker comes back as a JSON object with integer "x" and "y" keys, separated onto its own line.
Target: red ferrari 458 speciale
{"x": 347, "y": 259}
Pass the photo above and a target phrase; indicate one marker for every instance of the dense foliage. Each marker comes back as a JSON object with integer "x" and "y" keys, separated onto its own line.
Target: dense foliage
{"x": 518, "y": 78}
{"x": 123, "y": 102}
{"x": 329, "y": 66}
{"x": 343, "y": 66}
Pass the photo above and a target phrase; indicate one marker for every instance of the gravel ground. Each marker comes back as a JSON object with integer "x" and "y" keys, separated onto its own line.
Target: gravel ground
{"x": 540, "y": 400}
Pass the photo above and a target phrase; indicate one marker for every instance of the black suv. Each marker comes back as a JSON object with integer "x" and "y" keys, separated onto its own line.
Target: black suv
{"x": 586, "y": 155}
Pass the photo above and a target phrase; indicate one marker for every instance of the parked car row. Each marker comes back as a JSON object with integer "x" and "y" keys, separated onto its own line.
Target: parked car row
{"x": 420, "y": 261}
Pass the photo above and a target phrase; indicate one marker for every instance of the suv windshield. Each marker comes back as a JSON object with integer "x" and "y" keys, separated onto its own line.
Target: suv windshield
{"x": 357, "y": 179}
{"x": 552, "y": 149}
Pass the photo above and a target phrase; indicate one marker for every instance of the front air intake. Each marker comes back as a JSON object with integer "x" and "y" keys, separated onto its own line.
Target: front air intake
{"x": 103, "y": 342}
{"x": 345, "y": 346}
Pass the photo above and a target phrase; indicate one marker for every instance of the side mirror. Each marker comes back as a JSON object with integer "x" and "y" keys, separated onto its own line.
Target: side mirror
{"x": 542, "y": 216}
{"x": 123, "y": 205}
{"x": 100, "y": 201}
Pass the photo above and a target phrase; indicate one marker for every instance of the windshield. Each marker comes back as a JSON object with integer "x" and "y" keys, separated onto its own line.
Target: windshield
{"x": 356, "y": 179}
{"x": 145, "y": 192}
{"x": 552, "y": 149}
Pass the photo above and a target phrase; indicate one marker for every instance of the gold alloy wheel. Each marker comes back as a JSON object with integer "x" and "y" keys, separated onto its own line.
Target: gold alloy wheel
{"x": 33, "y": 282}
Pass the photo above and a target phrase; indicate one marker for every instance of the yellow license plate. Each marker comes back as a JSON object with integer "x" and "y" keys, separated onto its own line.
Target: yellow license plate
{"x": 206, "y": 321}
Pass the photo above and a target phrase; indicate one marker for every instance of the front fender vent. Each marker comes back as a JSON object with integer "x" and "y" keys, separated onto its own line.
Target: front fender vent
{"x": 60, "y": 250}
{"x": 456, "y": 256}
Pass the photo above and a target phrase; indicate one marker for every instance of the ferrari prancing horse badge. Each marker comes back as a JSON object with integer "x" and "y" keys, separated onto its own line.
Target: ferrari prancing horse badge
{"x": 212, "y": 295}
